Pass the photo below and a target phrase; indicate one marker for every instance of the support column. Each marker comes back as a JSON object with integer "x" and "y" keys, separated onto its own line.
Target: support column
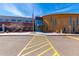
{"x": 3, "y": 27}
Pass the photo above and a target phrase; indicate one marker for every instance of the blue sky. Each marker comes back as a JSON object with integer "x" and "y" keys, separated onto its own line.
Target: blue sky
{"x": 40, "y": 9}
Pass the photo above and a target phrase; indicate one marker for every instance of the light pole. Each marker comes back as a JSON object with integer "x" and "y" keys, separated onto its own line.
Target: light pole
{"x": 33, "y": 19}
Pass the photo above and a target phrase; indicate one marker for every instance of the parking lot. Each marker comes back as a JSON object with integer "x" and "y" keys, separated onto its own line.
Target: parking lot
{"x": 39, "y": 45}
{"x": 12, "y": 45}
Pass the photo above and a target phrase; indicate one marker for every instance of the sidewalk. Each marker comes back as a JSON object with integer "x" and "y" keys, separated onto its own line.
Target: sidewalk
{"x": 34, "y": 33}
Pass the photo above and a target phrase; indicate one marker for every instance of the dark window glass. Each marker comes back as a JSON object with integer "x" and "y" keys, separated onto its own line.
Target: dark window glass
{"x": 54, "y": 21}
{"x": 1, "y": 20}
{"x": 77, "y": 21}
{"x": 13, "y": 20}
{"x": 38, "y": 24}
{"x": 19, "y": 20}
{"x": 71, "y": 22}
{"x": 6, "y": 20}
{"x": 26, "y": 20}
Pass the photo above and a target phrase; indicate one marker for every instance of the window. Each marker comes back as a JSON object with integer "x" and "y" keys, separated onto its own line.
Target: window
{"x": 76, "y": 21}
{"x": 71, "y": 21}
{"x": 27, "y": 20}
{"x": 6, "y": 20}
{"x": 38, "y": 24}
{"x": 13, "y": 20}
{"x": 54, "y": 21}
{"x": 19, "y": 20}
{"x": 1, "y": 20}
{"x": 39, "y": 21}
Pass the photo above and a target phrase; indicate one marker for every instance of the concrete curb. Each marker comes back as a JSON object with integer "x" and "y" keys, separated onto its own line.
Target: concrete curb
{"x": 57, "y": 34}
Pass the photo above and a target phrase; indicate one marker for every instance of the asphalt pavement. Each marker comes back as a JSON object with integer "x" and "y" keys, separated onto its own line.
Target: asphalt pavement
{"x": 39, "y": 45}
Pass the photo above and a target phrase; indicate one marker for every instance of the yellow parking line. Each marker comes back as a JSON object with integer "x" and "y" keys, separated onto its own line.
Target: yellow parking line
{"x": 36, "y": 45}
{"x": 44, "y": 51}
{"x": 51, "y": 46}
{"x": 25, "y": 46}
{"x": 36, "y": 42}
{"x": 55, "y": 54}
{"x": 73, "y": 37}
{"x": 35, "y": 50}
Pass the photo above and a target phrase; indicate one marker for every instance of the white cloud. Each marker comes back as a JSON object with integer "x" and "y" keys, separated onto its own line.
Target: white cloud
{"x": 34, "y": 8}
{"x": 63, "y": 10}
{"x": 12, "y": 9}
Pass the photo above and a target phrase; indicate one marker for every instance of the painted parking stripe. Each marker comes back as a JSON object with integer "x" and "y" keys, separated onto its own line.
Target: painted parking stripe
{"x": 48, "y": 43}
{"x": 55, "y": 54}
{"x": 44, "y": 51}
{"x": 73, "y": 37}
{"x": 52, "y": 46}
{"x": 25, "y": 46}
{"x": 35, "y": 49}
{"x": 35, "y": 45}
